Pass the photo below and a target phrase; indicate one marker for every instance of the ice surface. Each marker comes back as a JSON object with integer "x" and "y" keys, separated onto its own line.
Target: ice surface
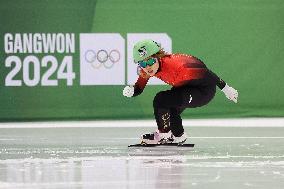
{"x": 88, "y": 158}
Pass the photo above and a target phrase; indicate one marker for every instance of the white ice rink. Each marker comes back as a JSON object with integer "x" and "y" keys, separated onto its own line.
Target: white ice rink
{"x": 85, "y": 157}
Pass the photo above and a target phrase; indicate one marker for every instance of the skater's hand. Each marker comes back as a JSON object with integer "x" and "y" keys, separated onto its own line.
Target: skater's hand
{"x": 128, "y": 91}
{"x": 231, "y": 93}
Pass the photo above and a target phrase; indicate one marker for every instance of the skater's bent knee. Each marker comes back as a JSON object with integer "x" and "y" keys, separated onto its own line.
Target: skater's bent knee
{"x": 158, "y": 100}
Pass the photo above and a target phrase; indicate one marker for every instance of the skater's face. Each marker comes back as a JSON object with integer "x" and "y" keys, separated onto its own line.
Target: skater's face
{"x": 150, "y": 66}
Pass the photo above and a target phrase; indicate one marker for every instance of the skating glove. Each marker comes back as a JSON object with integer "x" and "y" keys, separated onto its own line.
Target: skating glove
{"x": 231, "y": 93}
{"x": 128, "y": 91}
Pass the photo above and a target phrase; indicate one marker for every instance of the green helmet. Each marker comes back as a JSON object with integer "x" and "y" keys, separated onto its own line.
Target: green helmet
{"x": 144, "y": 49}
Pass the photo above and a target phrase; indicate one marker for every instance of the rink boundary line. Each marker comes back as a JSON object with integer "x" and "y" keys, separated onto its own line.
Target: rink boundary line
{"x": 237, "y": 122}
{"x": 197, "y": 137}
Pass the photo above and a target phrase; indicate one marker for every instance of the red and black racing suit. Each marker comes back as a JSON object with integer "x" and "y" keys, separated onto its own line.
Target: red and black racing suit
{"x": 194, "y": 85}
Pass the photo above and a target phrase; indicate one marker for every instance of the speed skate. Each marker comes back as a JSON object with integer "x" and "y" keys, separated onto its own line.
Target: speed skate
{"x": 157, "y": 139}
{"x": 183, "y": 145}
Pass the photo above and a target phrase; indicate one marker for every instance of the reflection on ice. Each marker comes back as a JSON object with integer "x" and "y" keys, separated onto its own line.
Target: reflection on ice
{"x": 139, "y": 171}
{"x": 159, "y": 151}
{"x": 99, "y": 172}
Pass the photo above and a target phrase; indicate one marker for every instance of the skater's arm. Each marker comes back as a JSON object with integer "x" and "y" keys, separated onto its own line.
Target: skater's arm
{"x": 219, "y": 82}
{"x": 230, "y": 92}
{"x": 140, "y": 85}
{"x": 137, "y": 89}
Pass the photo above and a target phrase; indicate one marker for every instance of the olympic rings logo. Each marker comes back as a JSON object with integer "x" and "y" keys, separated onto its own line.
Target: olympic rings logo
{"x": 101, "y": 58}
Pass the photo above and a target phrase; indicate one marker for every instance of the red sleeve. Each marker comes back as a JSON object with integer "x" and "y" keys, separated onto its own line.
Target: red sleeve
{"x": 140, "y": 85}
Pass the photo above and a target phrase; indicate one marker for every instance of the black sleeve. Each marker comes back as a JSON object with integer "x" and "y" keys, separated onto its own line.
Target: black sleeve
{"x": 140, "y": 85}
{"x": 219, "y": 82}
{"x": 137, "y": 91}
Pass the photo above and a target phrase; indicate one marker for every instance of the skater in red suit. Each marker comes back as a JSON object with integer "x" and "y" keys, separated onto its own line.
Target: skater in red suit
{"x": 194, "y": 85}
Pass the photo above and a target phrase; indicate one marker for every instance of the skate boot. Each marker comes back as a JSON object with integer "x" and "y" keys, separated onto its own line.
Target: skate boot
{"x": 157, "y": 138}
{"x": 180, "y": 139}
